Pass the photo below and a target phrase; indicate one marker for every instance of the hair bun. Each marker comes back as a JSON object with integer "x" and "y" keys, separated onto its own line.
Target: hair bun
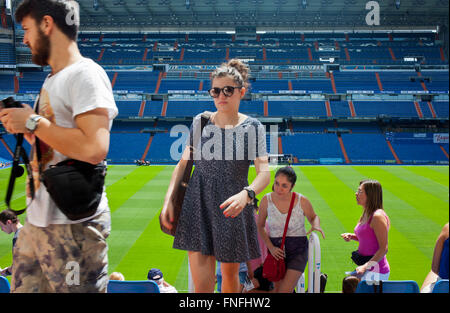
{"x": 241, "y": 68}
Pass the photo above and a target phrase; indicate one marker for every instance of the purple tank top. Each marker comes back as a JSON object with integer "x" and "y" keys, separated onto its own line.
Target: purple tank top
{"x": 368, "y": 244}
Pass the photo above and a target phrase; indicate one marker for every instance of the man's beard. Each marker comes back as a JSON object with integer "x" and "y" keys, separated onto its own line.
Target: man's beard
{"x": 42, "y": 50}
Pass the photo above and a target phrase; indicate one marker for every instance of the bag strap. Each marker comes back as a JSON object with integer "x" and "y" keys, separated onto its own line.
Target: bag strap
{"x": 187, "y": 172}
{"x": 37, "y": 142}
{"x": 291, "y": 206}
{"x": 17, "y": 171}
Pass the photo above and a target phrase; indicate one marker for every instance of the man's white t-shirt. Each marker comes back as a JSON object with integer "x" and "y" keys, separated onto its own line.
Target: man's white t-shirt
{"x": 76, "y": 89}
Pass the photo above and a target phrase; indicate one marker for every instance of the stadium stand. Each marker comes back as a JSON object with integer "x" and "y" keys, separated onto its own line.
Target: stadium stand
{"x": 31, "y": 82}
{"x": 7, "y": 83}
{"x": 335, "y": 97}
{"x": 7, "y": 55}
{"x": 127, "y": 147}
{"x": 188, "y": 108}
{"x": 441, "y": 108}
{"x": 297, "y": 108}
{"x": 417, "y": 148}
{"x": 312, "y": 146}
{"x": 323, "y": 114}
{"x": 378, "y": 148}
{"x": 128, "y": 108}
{"x": 386, "y": 108}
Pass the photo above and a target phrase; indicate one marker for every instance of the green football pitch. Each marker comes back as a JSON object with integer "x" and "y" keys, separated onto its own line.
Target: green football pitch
{"x": 416, "y": 198}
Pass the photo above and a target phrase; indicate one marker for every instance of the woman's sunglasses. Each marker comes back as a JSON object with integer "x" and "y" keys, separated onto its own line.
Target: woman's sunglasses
{"x": 227, "y": 91}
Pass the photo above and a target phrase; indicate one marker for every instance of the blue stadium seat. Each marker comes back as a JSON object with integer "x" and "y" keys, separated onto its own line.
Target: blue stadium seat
{"x": 312, "y": 146}
{"x": 10, "y": 141}
{"x": 128, "y": 108}
{"x": 363, "y": 287}
{"x": 400, "y": 286}
{"x": 132, "y": 286}
{"x": 4, "y": 285}
{"x": 6, "y": 83}
{"x": 355, "y": 143}
{"x": 189, "y": 108}
{"x": 127, "y": 147}
{"x": 441, "y": 108}
{"x": 441, "y": 286}
{"x": 389, "y": 286}
{"x": 297, "y": 108}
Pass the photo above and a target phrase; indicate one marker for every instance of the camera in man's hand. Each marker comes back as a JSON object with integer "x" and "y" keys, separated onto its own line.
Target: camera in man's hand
{"x": 9, "y": 103}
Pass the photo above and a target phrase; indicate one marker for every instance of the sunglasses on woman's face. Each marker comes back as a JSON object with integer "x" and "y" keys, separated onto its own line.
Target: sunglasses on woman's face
{"x": 227, "y": 91}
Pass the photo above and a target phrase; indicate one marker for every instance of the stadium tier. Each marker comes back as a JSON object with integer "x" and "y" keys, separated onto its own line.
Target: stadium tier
{"x": 265, "y": 48}
{"x": 289, "y": 108}
{"x": 414, "y": 147}
{"x": 310, "y": 147}
{"x": 367, "y": 148}
{"x": 7, "y": 83}
{"x": 334, "y": 98}
{"x": 7, "y": 55}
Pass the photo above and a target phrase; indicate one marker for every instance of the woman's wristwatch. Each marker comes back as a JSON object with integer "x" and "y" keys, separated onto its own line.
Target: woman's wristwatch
{"x": 252, "y": 195}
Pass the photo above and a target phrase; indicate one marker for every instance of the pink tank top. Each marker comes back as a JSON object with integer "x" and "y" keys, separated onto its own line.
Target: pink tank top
{"x": 368, "y": 243}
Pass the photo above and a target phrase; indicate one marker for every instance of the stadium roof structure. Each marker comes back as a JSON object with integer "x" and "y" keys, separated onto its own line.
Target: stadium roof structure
{"x": 282, "y": 15}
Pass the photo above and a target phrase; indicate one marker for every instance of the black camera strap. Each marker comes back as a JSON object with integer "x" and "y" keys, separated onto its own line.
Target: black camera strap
{"x": 18, "y": 171}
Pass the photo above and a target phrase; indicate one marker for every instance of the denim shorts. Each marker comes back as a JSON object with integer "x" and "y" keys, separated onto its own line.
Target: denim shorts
{"x": 296, "y": 250}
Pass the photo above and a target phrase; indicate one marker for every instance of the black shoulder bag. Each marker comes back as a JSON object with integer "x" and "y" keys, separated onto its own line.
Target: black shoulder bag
{"x": 75, "y": 186}
{"x": 360, "y": 259}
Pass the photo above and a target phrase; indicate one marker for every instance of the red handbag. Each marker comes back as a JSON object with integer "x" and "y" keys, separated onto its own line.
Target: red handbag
{"x": 274, "y": 270}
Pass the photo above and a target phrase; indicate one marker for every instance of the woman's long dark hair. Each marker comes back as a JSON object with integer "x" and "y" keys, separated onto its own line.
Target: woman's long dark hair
{"x": 374, "y": 193}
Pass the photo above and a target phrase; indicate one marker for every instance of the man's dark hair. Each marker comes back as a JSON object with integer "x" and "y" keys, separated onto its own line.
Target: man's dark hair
{"x": 62, "y": 12}
{"x": 7, "y": 215}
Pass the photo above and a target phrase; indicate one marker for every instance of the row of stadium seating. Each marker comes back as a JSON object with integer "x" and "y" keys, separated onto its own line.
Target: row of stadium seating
{"x": 7, "y": 55}
{"x": 399, "y": 37}
{"x": 114, "y": 286}
{"x": 366, "y": 145}
{"x": 129, "y": 144}
{"x": 361, "y": 148}
{"x": 388, "y": 82}
{"x": 380, "y": 48}
{"x": 266, "y": 48}
{"x": 289, "y": 108}
{"x": 144, "y": 55}
{"x": 399, "y": 286}
{"x": 386, "y": 286}
{"x": 309, "y": 143}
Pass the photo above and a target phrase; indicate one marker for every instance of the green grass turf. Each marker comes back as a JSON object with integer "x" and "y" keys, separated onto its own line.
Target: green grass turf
{"x": 416, "y": 198}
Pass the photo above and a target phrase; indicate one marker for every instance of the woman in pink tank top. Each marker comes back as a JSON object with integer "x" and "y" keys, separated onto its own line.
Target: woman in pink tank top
{"x": 371, "y": 232}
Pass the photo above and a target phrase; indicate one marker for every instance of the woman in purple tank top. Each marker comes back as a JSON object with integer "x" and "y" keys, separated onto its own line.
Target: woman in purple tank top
{"x": 371, "y": 232}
